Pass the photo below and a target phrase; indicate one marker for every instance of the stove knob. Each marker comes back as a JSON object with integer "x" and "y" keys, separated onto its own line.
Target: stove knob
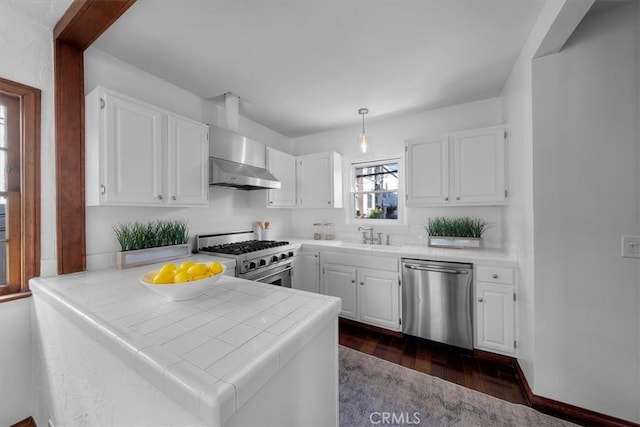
{"x": 283, "y": 256}
{"x": 274, "y": 258}
{"x": 263, "y": 262}
{"x": 252, "y": 265}
{"x": 290, "y": 254}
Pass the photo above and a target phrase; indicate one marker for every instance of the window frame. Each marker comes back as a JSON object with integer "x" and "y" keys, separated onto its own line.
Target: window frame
{"x": 399, "y": 159}
{"x": 24, "y": 238}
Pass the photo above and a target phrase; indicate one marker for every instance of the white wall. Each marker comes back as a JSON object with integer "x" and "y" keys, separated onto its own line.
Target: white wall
{"x": 518, "y": 213}
{"x": 387, "y": 138}
{"x": 228, "y": 209}
{"x": 26, "y": 52}
{"x": 586, "y": 153}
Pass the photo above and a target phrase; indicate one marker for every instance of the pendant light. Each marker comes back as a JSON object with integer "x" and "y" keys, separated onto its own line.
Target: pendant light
{"x": 364, "y": 138}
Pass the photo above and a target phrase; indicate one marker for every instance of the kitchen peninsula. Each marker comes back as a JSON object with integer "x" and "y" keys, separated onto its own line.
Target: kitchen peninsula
{"x": 244, "y": 353}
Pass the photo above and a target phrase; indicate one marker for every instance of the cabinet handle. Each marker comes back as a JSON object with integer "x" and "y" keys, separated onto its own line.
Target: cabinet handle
{"x": 353, "y": 281}
{"x": 361, "y": 283}
{"x": 159, "y": 196}
{"x": 173, "y": 197}
{"x": 446, "y": 199}
{"x": 480, "y": 299}
{"x": 103, "y": 189}
{"x": 329, "y": 202}
{"x": 457, "y": 197}
{"x": 495, "y": 276}
{"x": 270, "y": 202}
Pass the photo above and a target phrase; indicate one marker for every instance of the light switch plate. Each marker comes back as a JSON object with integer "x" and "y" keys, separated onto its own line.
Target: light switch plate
{"x": 631, "y": 246}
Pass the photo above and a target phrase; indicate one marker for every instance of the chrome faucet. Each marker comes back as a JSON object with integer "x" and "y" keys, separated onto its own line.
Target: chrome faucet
{"x": 366, "y": 239}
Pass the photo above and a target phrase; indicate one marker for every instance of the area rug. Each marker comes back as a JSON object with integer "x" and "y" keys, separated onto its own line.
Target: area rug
{"x": 377, "y": 392}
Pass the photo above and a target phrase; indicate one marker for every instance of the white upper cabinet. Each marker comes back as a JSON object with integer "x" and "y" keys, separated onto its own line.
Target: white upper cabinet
{"x": 188, "y": 145}
{"x": 319, "y": 179}
{"x": 283, "y": 167}
{"x": 466, "y": 168}
{"x": 428, "y": 171}
{"x": 479, "y": 166}
{"x": 140, "y": 155}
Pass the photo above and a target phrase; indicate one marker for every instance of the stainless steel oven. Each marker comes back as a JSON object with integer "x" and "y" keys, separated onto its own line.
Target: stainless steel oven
{"x": 279, "y": 274}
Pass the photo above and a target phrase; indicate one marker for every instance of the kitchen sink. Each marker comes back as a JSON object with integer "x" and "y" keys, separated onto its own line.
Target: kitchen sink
{"x": 382, "y": 248}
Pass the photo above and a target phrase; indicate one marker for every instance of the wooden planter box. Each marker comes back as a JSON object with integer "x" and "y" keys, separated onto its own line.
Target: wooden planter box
{"x": 455, "y": 242}
{"x": 139, "y": 257}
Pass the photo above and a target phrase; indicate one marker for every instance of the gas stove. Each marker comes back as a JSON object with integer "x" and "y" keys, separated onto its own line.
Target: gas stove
{"x": 251, "y": 255}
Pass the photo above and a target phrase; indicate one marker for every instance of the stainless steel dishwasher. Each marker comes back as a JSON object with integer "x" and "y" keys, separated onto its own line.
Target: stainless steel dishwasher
{"x": 436, "y": 301}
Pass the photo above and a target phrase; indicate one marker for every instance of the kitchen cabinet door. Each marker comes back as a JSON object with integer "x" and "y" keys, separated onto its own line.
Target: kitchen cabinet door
{"x": 283, "y": 167}
{"x": 479, "y": 166}
{"x": 123, "y": 151}
{"x": 340, "y": 281}
{"x": 319, "y": 178}
{"x": 379, "y": 298}
{"x": 495, "y": 327}
{"x": 427, "y": 171}
{"x": 306, "y": 271}
{"x": 188, "y": 160}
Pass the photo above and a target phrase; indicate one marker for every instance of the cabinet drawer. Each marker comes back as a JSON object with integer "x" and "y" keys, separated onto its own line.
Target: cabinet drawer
{"x": 495, "y": 275}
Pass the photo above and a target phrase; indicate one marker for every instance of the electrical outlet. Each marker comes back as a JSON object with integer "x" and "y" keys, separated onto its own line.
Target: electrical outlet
{"x": 631, "y": 246}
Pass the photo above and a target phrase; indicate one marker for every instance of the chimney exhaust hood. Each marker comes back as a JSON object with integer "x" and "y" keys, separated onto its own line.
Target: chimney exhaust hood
{"x": 238, "y": 162}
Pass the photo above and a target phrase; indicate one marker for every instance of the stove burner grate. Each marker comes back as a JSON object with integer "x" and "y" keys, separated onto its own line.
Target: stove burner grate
{"x": 247, "y": 246}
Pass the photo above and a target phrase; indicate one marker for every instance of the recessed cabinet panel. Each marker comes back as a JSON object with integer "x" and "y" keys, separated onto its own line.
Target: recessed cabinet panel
{"x": 428, "y": 179}
{"x": 340, "y": 281}
{"x": 283, "y": 167}
{"x": 188, "y": 156}
{"x": 319, "y": 180}
{"x": 133, "y": 152}
{"x": 378, "y": 298}
{"x": 479, "y": 166}
{"x": 495, "y": 318}
{"x": 306, "y": 271}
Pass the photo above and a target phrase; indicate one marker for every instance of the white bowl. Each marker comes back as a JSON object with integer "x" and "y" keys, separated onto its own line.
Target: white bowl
{"x": 180, "y": 291}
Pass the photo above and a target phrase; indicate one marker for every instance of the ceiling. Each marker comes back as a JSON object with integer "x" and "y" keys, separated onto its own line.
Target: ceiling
{"x": 44, "y": 12}
{"x": 306, "y": 66}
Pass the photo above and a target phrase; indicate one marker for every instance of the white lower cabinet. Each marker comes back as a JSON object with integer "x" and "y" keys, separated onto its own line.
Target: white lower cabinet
{"x": 378, "y": 298}
{"x": 306, "y": 271}
{"x": 340, "y": 281}
{"x": 495, "y": 310}
{"x": 369, "y": 295}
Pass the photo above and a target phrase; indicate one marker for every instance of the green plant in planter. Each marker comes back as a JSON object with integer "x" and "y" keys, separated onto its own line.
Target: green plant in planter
{"x": 152, "y": 234}
{"x": 456, "y": 227}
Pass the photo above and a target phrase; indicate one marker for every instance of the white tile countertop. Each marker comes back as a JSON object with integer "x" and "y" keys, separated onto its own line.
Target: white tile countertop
{"x": 211, "y": 353}
{"x": 495, "y": 257}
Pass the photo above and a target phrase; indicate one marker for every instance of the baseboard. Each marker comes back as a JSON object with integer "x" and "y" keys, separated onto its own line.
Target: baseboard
{"x": 27, "y": 422}
{"x": 370, "y": 327}
{"x": 566, "y": 411}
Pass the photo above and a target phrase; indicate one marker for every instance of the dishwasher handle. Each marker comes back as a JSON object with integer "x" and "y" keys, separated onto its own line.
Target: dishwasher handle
{"x": 435, "y": 269}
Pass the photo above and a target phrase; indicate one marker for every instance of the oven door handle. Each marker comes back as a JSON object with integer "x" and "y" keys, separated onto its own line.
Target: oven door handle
{"x": 273, "y": 274}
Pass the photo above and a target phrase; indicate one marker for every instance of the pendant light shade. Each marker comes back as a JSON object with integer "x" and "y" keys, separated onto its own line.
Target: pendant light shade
{"x": 363, "y": 139}
{"x": 232, "y": 109}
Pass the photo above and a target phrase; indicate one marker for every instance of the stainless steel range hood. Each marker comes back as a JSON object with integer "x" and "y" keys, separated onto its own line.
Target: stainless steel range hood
{"x": 239, "y": 162}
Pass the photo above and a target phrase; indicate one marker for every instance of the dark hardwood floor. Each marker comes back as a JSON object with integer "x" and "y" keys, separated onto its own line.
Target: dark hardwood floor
{"x": 450, "y": 363}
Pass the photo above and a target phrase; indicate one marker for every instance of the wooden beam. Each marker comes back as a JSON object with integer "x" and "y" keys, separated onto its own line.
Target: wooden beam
{"x": 81, "y": 25}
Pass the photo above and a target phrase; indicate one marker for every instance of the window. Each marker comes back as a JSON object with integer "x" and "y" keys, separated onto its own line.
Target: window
{"x": 19, "y": 186}
{"x": 375, "y": 190}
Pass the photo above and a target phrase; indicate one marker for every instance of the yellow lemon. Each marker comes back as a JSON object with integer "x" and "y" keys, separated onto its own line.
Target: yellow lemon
{"x": 167, "y": 267}
{"x": 197, "y": 269}
{"x": 179, "y": 270}
{"x": 200, "y": 277}
{"x": 163, "y": 278}
{"x": 182, "y": 277}
{"x": 215, "y": 267}
{"x": 185, "y": 265}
